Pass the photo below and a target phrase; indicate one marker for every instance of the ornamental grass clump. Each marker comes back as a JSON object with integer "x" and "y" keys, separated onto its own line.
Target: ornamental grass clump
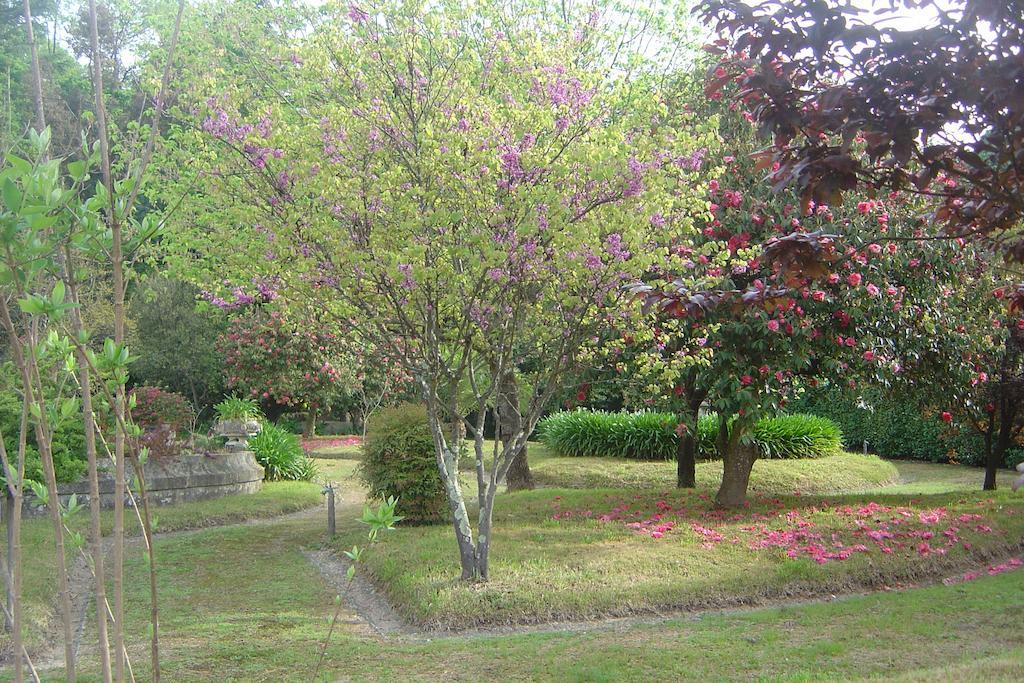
{"x": 281, "y": 455}
{"x": 653, "y": 436}
{"x": 797, "y": 436}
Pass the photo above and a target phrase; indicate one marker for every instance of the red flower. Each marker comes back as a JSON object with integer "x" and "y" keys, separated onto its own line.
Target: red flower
{"x": 746, "y": 380}
{"x": 946, "y": 417}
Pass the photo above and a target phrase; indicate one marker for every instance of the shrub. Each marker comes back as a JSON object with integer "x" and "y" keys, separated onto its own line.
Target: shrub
{"x": 67, "y": 445}
{"x": 652, "y": 436}
{"x": 797, "y": 436}
{"x": 155, "y": 406}
{"x": 894, "y": 427}
{"x": 281, "y": 454}
{"x": 399, "y": 460}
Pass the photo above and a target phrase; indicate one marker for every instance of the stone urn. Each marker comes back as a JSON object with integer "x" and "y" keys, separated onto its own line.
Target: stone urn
{"x": 237, "y": 431}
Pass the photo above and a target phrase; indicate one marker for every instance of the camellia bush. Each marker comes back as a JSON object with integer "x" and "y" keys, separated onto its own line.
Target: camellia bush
{"x": 163, "y": 416}
{"x": 286, "y": 365}
{"x": 654, "y": 436}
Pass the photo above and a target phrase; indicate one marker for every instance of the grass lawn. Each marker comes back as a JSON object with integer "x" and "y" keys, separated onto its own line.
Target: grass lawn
{"x": 242, "y": 604}
{"x": 274, "y": 499}
{"x": 550, "y": 565}
{"x": 836, "y": 474}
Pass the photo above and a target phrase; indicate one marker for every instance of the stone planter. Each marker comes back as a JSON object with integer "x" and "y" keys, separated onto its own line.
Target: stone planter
{"x": 237, "y": 432}
{"x": 183, "y": 479}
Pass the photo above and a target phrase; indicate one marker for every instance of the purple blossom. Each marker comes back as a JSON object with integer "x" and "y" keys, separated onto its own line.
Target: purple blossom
{"x": 357, "y": 15}
{"x": 613, "y": 245}
{"x": 406, "y": 270}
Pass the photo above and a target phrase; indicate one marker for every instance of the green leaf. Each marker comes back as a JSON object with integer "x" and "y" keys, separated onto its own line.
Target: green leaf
{"x": 11, "y": 195}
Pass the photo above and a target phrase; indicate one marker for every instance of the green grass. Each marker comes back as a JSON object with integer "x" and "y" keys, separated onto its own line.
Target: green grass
{"x": 274, "y": 499}
{"x": 833, "y": 474}
{"x": 546, "y": 567}
{"x": 242, "y": 604}
{"x": 923, "y": 477}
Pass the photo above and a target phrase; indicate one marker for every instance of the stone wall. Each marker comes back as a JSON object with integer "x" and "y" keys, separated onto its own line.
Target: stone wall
{"x": 187, "y": 478}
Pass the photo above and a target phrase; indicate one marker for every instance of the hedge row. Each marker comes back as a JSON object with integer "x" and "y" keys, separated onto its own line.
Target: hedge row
{"x": 652, "y": 436}
{"x": 895, "y": 428}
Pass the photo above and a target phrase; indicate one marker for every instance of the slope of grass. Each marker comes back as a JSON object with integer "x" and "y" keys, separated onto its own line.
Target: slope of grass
{"x": 833, "y": 474}
{"x": 562, "y": 554}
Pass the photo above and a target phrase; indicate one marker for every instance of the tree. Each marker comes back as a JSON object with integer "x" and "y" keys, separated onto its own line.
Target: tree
{"x": 177, "y": 336}
{"x": 851, "y": 101}
{"x": 753, "y": 315}
{"x": 941, "y": 99}
{"x": 288, "y": 365}
{"x": 469, "y": 196}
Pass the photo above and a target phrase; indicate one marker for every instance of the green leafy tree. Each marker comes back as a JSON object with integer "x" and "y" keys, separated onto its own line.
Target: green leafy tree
{"x": 467, "y": 197}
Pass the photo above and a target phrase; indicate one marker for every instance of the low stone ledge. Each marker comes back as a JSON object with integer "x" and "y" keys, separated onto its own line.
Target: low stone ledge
{"x": 183, "y": 479}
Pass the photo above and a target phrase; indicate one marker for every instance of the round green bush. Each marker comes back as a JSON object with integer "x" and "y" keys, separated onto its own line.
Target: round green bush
{"x": 399, "y": 460}
{"x": 652, "y": 436}
{"x": 281, "y": 454}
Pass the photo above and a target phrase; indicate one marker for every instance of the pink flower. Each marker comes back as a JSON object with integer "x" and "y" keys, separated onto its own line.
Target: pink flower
{"x": 853, "y": 279}
{"x": 818, "y": 295}
{"x": 773, "y": 325}
{"x": 746, "y": 380}
{"x": 868, "y": 355}
{"x": 872, "y": 290}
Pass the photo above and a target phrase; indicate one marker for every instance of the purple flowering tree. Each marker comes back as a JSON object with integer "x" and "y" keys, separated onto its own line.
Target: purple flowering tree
{"x": 469, "y": 199}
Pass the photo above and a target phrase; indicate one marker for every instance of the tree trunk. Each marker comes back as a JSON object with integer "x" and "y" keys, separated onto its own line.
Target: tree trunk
{"x": 9, "y": 523}
{"x": 483, "y": 538}
{"x": 737, "y": 461}
{"x": 686, "y": 461}
{"x": 995, "y": 456}
{"x": 518, "y": 477}
{"x": 309, "y": 428}
{"x": 686, "y": 452}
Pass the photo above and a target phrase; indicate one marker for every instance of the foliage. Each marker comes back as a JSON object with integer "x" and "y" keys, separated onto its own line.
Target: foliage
{"x": 177, "y": 336}
{"x": 281, "y": 455}
{"x": 399, "y": 461}
{"x": 838, "y": 123}
{"x": 654, "y": 436}
{"x": 897, "y": 426}
{"x": 68, "y": 443}
{"x": 236, "y": 408}
{"x": 154, "y": 406}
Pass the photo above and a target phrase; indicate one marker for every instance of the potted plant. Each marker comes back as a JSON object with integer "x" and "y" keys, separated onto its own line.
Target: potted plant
{"x": 237, "y": 420}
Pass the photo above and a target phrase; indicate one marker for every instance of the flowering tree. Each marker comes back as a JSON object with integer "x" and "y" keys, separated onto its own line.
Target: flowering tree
{"x": 741, "y": 314}
{"x": 936, "y": 99}
{"x": 468, "y": 196}
{"x": 287, "y": 365}
{"x": 852, "y": 101}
